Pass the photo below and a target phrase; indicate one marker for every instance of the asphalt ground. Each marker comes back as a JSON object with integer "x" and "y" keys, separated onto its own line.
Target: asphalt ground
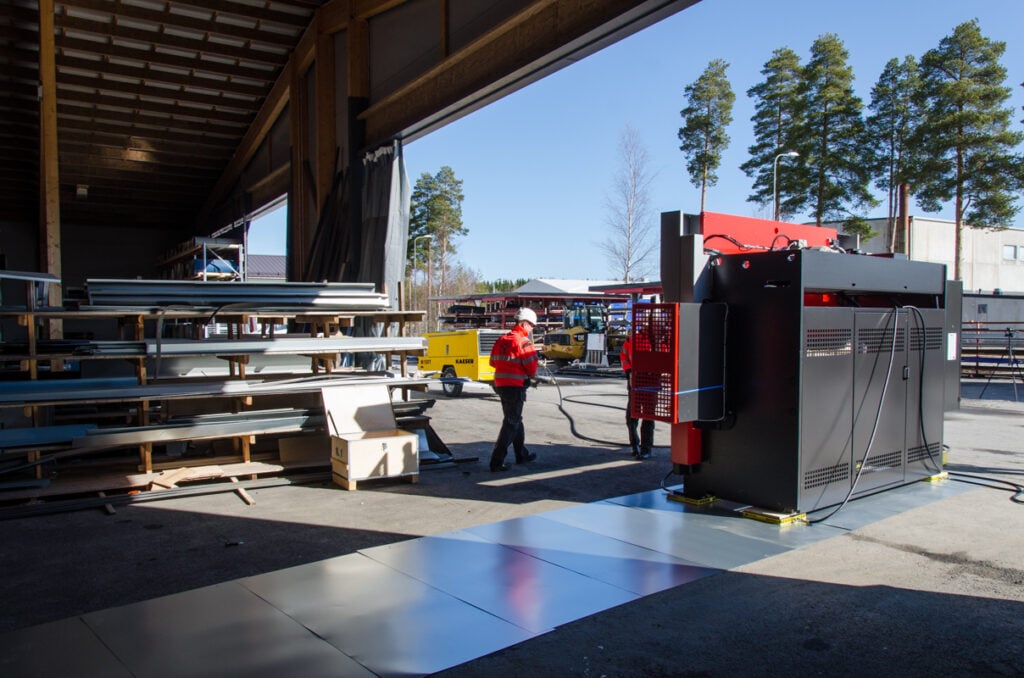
{"x": 938, "y": 589}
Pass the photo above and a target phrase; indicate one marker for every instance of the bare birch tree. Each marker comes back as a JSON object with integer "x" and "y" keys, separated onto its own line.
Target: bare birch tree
{"x": 630, "y": 242}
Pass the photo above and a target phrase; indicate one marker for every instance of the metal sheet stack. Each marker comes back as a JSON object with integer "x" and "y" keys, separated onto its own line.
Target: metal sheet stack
{"x": 267, "y": 296}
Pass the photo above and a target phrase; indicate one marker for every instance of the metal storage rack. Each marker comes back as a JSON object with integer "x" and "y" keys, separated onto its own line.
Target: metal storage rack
{"x": 205, "y": 259}
{"x": 177, "y": 411}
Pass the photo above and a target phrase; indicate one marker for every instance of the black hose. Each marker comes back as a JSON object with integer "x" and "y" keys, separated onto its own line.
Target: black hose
{"x": 572, "y": 422}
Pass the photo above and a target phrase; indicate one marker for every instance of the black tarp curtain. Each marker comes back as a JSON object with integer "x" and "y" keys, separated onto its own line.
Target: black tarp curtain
{"x": 374, "y": 249}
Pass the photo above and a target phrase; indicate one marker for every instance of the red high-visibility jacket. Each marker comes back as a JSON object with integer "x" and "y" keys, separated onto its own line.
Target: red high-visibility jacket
{"x": 626, "y": 352}
{"x": 626, "y": 355}
{"x": 514, "y": 358}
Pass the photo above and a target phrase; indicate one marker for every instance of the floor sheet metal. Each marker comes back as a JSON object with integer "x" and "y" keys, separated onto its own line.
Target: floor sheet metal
{"x": 419, "y": 606}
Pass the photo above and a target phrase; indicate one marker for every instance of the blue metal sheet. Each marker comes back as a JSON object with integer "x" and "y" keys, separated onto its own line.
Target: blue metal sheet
{"x": 866, "y": 510}
{"x": 391, "y": 623}
{"x": 725, "y": 516}
{"x": 62, "y": 648}
{"x": 669, "y": 533}
{"x": 612, "y": 561}
{"x": 523, "y": 590}
{"x": 222, "y": 630}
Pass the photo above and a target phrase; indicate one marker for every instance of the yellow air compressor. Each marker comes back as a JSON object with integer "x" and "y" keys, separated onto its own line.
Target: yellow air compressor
{"x": 459, "y": 355}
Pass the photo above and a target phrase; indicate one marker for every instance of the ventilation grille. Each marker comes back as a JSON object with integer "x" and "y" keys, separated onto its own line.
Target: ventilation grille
{"x": 887, "y": 460}
{"x": 879, "y": 340}
{"x": 920, "y": 453}
{"x": 822, "y": 343}
{"x": 652, "y": 395}
{"x": 656, "y": 324}
{"x": 487, "y": 340}
{"x": 932, "y": 339}
{"x": 826, "y": 476}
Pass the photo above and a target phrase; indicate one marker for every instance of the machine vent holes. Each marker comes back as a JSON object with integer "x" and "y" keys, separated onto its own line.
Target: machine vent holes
{"x": 920, "y": 453}
{"x": 826, "y": 475}
{"x": 887, "y": 460}
{"x": 932, "y": 339}
{"x": 879, "y": 340}
{"x": 828, "y": 343}
{"x": 487, "y": 341}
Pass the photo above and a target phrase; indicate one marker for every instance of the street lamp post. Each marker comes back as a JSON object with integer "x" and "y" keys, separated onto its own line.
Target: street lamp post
{"x": 775, "y": 182}
{"x": 426, "y": 297}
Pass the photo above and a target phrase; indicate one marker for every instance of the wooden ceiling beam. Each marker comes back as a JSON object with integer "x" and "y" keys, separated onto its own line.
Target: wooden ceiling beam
{"x": 107, "y": 30}
{"x": 210, "y": 117}
{"x": 168, "y": 19}
{"x": 167, "y": 142}
{"x": 147, "y": 124}
{"x": 235, "y": 9}
{"x": 149, "y": 74}
{"x": 151, "y": 56}
{"x": 103, "y": 84}
{"x": 74, "y": 157}
{"x": 535, "y": 41}
{"x": 75, "y": 144}
{"x": 271, "y": 109}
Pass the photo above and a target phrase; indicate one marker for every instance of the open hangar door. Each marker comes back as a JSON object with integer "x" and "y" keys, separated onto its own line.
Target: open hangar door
{"x": 138, "y": 126}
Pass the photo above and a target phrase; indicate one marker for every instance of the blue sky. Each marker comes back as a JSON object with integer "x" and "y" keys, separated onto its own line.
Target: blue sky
{"x": 537, "y": 165}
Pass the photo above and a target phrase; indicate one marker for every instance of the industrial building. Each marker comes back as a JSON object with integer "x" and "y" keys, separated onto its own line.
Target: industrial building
{"x": 993, "y": 259}
{"x": 163, "y": 517}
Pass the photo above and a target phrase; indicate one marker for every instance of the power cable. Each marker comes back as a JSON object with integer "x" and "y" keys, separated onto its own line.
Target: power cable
{"x": 874, "y": 427}
{"x": 1018, "y": 490}
{"x": 572, "y": 422}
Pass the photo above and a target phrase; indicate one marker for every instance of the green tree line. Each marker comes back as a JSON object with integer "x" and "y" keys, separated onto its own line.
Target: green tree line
{"x": 938, "y": 125}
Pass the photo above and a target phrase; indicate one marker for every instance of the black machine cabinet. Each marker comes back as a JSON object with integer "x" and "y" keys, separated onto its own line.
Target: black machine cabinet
{"x": 835, "y": 378}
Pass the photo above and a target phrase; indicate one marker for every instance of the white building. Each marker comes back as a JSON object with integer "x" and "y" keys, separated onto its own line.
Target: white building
{"x": 992, "y": 259}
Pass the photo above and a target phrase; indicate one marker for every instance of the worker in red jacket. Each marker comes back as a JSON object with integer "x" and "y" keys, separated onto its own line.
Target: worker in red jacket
{"x": 641, "y": 448}
{"x": 514, "y": 360}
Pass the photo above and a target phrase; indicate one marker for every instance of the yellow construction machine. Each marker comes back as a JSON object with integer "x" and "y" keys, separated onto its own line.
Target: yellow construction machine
{"x": 570, "y": 343}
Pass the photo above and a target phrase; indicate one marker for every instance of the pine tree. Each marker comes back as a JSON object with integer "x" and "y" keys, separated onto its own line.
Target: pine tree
{"x": 436, "y": 210}
{"x": 706, "y": 118}
{"x": 831, "y": 137}
{"x": 775, "y": 123}
{"x": 890, "y": 129}
{"x": 965, "y": 136}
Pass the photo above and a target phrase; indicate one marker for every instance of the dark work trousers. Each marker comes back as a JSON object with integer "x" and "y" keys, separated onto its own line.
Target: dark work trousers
{"x": 646, "y": 441}
{"x": 512, "y": 431}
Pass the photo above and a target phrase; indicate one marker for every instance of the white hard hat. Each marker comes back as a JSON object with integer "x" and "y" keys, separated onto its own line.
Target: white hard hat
{"x": 526, "y": 314}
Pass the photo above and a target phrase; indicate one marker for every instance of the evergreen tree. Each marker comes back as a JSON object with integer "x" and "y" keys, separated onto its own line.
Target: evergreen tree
{"x": 436, "y": 210}
{"x": 776, "y": 119}
{"x": 965, "y": 138}
{"x": 890, "y": 129}
{"x": 706, "y": 117}
{"x": 831, "y": 142}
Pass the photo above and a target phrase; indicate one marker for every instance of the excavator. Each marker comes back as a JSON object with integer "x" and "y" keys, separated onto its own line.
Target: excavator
{"x": 570, "y": 343}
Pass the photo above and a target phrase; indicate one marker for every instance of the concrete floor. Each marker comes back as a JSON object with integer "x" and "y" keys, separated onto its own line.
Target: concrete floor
{"x": 937, "y": 588}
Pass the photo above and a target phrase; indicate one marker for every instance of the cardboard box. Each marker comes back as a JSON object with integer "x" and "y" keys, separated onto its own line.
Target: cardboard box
{"x": 365, "y": 440}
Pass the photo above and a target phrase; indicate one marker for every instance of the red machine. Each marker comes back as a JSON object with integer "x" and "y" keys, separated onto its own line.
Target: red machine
{"x": 794, "y": 373}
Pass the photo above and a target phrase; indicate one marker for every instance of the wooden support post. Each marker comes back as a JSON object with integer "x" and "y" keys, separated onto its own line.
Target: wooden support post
{"x": 326, "y": 154}
{"x": 37, "y": 470}
{"x": 146, "y": 457}
{"x": 49, "y": 176}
